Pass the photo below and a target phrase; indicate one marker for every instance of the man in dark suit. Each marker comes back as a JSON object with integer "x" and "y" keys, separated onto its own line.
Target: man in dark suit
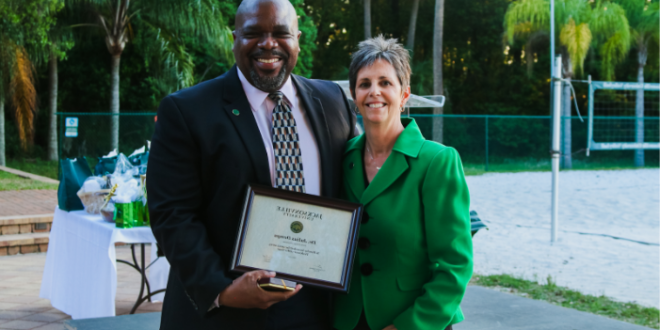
{"x": 215, "y": 138}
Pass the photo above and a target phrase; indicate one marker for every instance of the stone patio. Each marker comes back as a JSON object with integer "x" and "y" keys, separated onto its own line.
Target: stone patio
{"x": 20, "y": 282}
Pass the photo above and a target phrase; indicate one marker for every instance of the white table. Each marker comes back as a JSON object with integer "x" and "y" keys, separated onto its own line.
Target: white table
{"x": 80, "y": 276}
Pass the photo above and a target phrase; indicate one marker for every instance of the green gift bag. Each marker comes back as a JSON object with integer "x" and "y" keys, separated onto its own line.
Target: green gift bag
{"x": 73, "y": 173}
{"x": 138, "y": 213}
{"x": 124, "y": 215}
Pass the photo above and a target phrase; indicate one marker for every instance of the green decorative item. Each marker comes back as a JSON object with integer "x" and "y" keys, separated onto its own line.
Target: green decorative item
{"x": 73, "y": 173}
{"x": 236, "y": 112}
{"x": 147, "y": 222}
{"x": 124, "y": 215}
{"x": 138, "y": 213}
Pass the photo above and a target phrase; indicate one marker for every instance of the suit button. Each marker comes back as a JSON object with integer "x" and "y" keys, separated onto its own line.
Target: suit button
{"x": 364, "y": 243}
{"x": 366, "y": 269}
{"x": 365, "y": 217}
{"x": 351, "y": 165}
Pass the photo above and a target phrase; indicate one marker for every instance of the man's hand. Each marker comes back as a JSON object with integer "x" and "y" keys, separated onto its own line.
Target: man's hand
{"x": 244, "y": 292}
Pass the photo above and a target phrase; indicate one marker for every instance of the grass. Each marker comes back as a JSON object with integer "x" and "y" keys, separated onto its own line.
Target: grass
{"x": 10, "y": 181}
{"x": 45, "y": 168}
{"x": 627, "y": 312}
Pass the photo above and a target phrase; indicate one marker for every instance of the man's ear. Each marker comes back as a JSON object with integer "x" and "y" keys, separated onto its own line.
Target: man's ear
{"x": 233, "y": 39}
{"x": 299, "y": 34}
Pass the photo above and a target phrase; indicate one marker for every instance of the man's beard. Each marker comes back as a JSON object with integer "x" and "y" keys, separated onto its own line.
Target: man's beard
{"x": 269, "y": 84}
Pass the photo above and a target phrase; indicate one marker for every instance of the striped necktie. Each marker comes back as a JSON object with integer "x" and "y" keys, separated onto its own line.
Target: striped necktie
{"x": 288, "y": 159}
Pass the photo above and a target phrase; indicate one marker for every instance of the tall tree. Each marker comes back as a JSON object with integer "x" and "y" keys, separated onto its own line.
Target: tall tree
{"x": 581, "y": 25}
{"x": 643, "y": 18}
{"x": 437, "y": 66}
{"x": 410, "y": 41}
{"x": 167, "y": 21}
{"x": 367, "y": 19}
{"x": 61, "y": 42}
{"x": 24, "y": 40}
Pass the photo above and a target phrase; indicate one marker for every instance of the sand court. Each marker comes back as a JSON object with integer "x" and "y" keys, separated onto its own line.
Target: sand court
{"x": 609, "y": 230}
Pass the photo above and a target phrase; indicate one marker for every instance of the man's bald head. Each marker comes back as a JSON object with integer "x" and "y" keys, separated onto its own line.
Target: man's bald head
{"x": 250, "y": 7}
{"x": 266, "y": 42}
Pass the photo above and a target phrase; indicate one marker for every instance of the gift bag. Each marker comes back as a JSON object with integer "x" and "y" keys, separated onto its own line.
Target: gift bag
{"x": 73, "y": 173}
{"x": 105, "y": 166}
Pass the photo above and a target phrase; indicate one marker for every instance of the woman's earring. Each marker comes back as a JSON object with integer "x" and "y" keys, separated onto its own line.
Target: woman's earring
{"x": 357, "y": 112}
{"x": 402, "y": 109}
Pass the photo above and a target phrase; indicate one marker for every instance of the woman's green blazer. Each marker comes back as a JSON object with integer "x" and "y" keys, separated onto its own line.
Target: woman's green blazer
{"x": 414, "y": 256}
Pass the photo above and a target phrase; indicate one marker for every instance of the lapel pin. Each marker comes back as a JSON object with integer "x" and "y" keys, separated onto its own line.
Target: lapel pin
{"x": 236, "y": 112}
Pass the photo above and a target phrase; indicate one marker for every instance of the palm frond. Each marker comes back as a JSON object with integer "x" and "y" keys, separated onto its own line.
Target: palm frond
{"x": 199, "y": 18}
{"x": 578, "y": 10}
{"x": 24, "y": 95}
{"x": 609, "y": 19}
{"x": 533, "y": 14}
{"x": 613, "y": 51}
{"x": 648, "y": 23}
{"x": 576, "y": 38}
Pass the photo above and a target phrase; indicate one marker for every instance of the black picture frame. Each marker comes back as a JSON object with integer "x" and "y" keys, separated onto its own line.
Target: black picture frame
{"x": 351, "y": 243}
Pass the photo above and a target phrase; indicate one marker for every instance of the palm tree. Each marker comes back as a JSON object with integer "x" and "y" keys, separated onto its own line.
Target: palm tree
{"x": 17, "y": 82}
{"x": 25, "y": 28}
{"x": 62, "y": 41}
{"x": 437, "y": 67}
{"x": 165, "y": 23}
{"x": 581, "y": 25}
{"x": 410, "y": 41}
{"x": 367, "y": 19}
{"x": 643, "y": 19}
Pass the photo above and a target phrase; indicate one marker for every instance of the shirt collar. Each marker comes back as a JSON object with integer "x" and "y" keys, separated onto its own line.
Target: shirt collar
{"x": 257, "y": 97}
{"x": 409, "y": 142}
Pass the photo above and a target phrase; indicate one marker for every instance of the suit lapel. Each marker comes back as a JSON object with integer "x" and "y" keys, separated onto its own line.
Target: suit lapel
{"x": 395, "y": 165}
{"x": 246, "y": 125}
{"x": 316, "y": 115}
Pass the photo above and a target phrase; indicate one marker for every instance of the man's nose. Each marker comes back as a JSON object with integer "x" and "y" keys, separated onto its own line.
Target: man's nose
{"x": 267, "y": 42}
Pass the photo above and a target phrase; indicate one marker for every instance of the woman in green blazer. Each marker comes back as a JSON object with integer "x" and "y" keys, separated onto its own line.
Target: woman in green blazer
{"x": 414, "y": 257}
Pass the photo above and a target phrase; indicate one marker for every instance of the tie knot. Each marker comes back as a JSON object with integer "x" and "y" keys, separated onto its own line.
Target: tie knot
{"x": 277, "y": 97}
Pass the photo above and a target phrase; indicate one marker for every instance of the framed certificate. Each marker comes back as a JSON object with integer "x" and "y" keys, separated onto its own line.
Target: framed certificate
{"x": 304, "y": 238}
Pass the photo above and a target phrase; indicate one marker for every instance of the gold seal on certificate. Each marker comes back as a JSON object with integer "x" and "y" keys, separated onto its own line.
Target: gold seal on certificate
{"x": 304, "y": 238}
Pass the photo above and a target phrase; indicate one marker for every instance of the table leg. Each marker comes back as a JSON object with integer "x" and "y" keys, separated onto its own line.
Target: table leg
{"x": 142, "y": 269}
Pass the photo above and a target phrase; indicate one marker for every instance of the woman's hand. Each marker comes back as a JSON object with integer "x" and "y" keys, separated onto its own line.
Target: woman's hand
{"x": 390, "y": 327}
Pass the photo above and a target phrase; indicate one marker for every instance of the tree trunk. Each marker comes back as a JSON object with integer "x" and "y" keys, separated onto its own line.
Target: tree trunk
{"x": 3, "y": 161}
{"x": 114, "y": 103}
{"x": 566, "y": 149}
{"x": 52, "y": 107}
{"x": 639, "y": 105}
{"x": 437, "y": 67}
{"x": 367, "y": 19}
{"x": 410, "y": 42}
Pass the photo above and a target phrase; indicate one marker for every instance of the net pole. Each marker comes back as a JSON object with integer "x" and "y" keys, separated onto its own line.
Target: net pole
{"x": 556, "y": 122}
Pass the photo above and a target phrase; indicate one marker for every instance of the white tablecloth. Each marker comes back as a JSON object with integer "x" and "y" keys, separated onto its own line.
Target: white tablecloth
{"x": 80, "y": 276}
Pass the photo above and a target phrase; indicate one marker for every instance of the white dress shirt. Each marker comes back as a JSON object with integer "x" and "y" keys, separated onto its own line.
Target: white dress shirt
{"x": 262, "y": 108}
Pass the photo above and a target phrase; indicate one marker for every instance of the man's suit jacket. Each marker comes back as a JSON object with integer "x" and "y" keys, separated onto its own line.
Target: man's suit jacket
{"x": 205, "y": 150}
{"x": 418, "y": 261}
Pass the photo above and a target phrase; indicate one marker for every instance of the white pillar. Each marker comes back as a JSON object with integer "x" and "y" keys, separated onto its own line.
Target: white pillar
{"x": 556, "y": 122}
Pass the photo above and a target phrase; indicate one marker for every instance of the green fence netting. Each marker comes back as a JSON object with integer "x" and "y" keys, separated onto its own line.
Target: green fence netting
{"x": 484, "y": 142}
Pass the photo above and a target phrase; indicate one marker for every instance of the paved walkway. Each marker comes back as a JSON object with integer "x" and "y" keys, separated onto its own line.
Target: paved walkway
{"x": 27, "y": 202}
{"x": 20, "y": 282}
{"x": 484, "y": 309}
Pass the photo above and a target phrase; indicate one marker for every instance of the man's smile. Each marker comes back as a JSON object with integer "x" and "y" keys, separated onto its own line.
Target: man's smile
{"x": 268, "y": 62}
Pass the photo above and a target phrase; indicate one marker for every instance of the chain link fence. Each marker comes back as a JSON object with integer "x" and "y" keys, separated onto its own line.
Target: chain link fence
{"x": 485, "y": 142}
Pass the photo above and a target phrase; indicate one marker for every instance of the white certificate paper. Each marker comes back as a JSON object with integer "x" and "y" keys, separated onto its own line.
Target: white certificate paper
{"x": 296, "y": 238}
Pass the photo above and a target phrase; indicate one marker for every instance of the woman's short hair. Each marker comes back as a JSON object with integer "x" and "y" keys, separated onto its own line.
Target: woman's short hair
{"x": 377, "y": 48}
